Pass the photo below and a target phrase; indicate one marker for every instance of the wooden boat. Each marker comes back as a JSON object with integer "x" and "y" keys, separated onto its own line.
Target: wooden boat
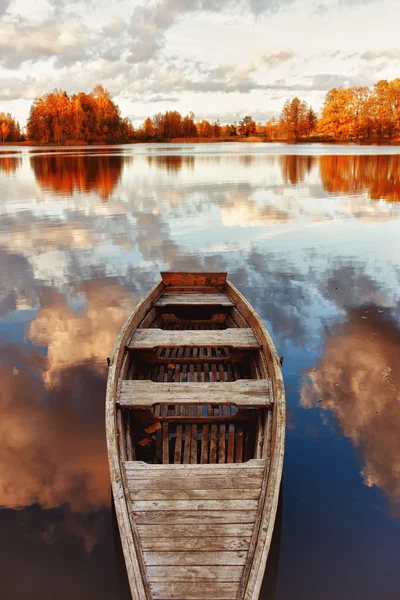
{"x": 195, "y": 420}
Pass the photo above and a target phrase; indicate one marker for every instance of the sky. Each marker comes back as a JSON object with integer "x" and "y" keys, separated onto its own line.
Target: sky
{"x": 224, "y": 59}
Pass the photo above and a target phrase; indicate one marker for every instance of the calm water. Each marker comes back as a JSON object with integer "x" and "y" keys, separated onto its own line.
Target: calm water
{"x": 311, "y": 236}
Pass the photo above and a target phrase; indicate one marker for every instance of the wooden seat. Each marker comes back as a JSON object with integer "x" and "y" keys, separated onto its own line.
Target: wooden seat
{"x": 191, "y": 299}
{"x": 214, "y": 281}
{"x": 235, "y": 337}
{"x": 243, "y": 392}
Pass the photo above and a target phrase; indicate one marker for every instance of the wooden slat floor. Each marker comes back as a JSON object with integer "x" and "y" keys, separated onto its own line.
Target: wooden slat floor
{"x": 203, "y": 442}
{"x": 190, "y": 543}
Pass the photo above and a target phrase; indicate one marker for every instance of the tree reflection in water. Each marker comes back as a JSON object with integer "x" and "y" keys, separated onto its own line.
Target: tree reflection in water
{"x": 9, "y": 164}
{"x": 379, "y": 176}
{"x": 86, "y": 173}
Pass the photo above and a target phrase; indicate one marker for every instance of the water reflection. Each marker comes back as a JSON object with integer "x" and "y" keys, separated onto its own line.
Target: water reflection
{"x": 53, "y": 450}
{"x": 73, "y": 267}
{"x": 83, "y": 173}
{"x": 358, "y": 379}
{"x": 296, "y": 168}
{"x": 9, "y": 164}
{"x": 378, "y": 175}
{"x": 82, "y": 333}
{"x": 171, "y": 163}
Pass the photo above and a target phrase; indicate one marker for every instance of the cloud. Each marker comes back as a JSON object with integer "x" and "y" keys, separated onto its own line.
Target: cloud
{"x": 373, "y": 55}
{"x": 149, "y": 24}
{"x": 47, "y": 404}
{"x": 16, "y": 277}
{"x": 15, "y": 87}
{"x": 72, "y": 338}
{"x": 358, "y": 380}
{"x": 274, "y": 59}
{"x": 326, "y": 7}
{"x": 54, "y": 472}
{"x": 326, "y": 81}
{"x": 22, "y": 40}
{"x": 4, "y": 4}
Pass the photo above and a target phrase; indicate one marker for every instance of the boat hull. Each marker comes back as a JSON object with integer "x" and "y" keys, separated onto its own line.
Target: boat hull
{"x": 202, "y": 507}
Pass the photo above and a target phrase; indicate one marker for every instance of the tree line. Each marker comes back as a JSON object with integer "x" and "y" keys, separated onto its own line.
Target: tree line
{"x": 92, "y": 118}
{"x": 9, "y": 128}
{"x": 348, "y": 114}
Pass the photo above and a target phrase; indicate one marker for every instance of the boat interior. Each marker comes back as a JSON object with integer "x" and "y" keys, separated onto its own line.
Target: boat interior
{"x": 194, "y": 336}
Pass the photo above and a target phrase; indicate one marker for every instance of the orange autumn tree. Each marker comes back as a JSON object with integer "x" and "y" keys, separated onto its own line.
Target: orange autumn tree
{"x": 92, "y": 118}
{"x": 9, "y": 128}
{"x": 344, "y": 113}
{"x": 297, "y": 120}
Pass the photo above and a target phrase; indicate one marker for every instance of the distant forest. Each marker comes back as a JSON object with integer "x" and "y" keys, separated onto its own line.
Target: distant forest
{"x": 353, "y": 114}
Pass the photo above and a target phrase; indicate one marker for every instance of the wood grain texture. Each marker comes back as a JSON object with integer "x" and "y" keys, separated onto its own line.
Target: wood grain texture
{"x": 193, "y": 299}
{"x": 198, "y": 483}
{"x": 147, "y": 339}
{"x": 201, "y": 530}
{"x": 205, "y": 573}
{"x": 164, "y": 470}
{"x": 195, "y": 543}
{"x": 237, "y": 557}
{"x": 165, "y": 505}
{"x": 243, "y": 393}
{"x": 183, "y": 279}
{"x": 179, "y": 517}
{"x": 194, "y": 591}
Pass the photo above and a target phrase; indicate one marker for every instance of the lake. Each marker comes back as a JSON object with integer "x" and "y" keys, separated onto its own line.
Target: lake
{"x": 311, "y": 236}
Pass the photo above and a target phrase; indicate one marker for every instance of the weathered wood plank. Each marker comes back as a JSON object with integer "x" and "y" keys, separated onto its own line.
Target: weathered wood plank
{"x": 231, "y": 443}
{"x": 178, "y": 445}
{"x": 165, "y": 444}
{"x": 213, "y": 444}
{"x": 121, "y": 437}
{"x": 235, "y": 337}
{"x": 147, "y": 505}
{"x": 195, "y": 543}
{"x": 183, "y": 279}
{"x": 205, "y": 573}
{"x": 243, "y": 392}
{"x": 162, "y": 470}
{"x": 202, "y": 530}
{"x": 188, "y": 440}
{"x": 213, "y": 494}
{"x": 239, "y": 444}
{"x": 221, "y": 444}
{"x": 180, "y": 517}
{"x": 193, "y": 446}
{"x": 193, "y": 299}
{"x": 195, "y": 558}
{"x": 204, "y": 445}
{"x": 130, "y": 450}
{"x": 193, "y": 591}
{"x": 198, "y": 483}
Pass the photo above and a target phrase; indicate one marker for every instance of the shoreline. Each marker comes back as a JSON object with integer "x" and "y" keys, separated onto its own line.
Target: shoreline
{"x": 228, "y": 140}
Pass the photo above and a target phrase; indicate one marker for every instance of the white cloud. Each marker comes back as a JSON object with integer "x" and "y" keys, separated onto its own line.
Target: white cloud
{"x": 190, "y": 54}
